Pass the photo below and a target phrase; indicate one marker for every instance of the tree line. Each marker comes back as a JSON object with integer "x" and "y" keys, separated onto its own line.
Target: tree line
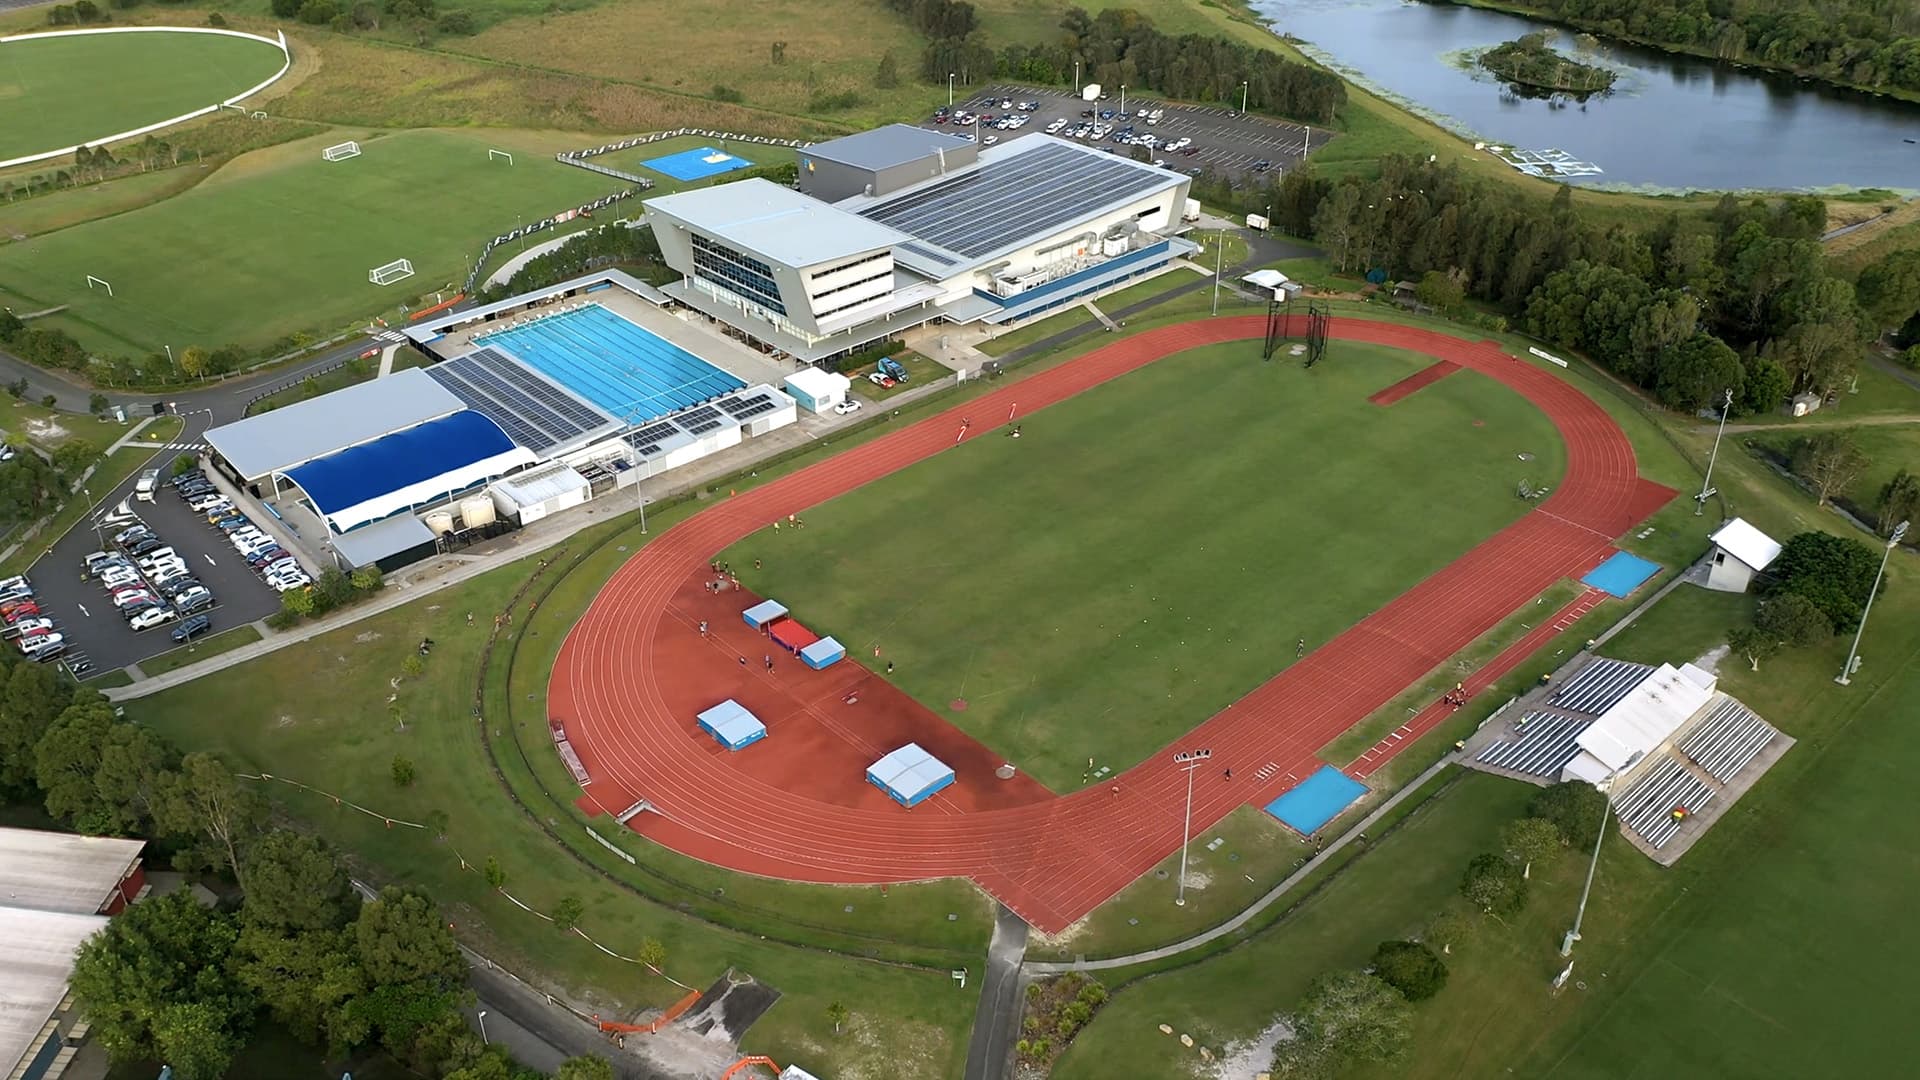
{"x": 1738, "y": 299}
{"x": 1358, "y": 1016}
{"x": 175, "y": 981}
{"x": 1121, "y": 47}
{"x": 1814, "y": 591}
{"x": 1871, "y": 43}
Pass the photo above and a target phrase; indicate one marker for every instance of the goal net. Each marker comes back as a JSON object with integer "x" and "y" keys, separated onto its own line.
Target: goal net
{"x": 394, "y": 271}
{"x": 341, "y": 152}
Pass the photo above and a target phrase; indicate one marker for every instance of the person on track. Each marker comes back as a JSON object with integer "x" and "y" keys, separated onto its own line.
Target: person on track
{"x": 703, "y": 628}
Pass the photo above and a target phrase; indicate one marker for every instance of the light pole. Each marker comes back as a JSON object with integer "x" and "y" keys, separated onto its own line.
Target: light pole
{"x": 1893, "y": 541}
{"x": 1077, "y": 88}
{"x": 1243, "y": 98}
{"x": 949, "y": 89}
{"x": 1123, "y": 101}
{"x": 1706, "y": 484}
{"x": 1219, "y": 247}
{"x": 170, "y": 362}
{"x": 1606, "y": 811}
{"x": 483, "y": 1025}
{"x": 1191, "y": 760}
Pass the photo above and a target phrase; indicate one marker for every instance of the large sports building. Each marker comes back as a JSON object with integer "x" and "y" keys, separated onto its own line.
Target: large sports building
{"x": 901, "y": 226}
{"x": 531, "y": 406}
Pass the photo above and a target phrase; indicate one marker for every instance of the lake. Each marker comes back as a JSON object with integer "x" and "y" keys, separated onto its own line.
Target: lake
{"x": 1670, "y": 123}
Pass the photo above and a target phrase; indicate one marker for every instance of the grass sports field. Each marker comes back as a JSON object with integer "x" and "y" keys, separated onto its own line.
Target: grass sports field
{"x": 1150, "y": 551}
{"x": 281, "y": 241}
{"x": 50, "y": 87}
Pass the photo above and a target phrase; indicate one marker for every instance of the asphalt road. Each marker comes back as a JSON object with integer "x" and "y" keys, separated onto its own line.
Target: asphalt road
{"x": 996, "y": 1022}
{"x": 1228, "y": 143}
{"x": 82, "y": 610}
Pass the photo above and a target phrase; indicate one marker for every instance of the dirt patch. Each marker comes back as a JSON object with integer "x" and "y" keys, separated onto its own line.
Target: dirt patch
{"x": 45, "y": 431}
{"x": 365, "y": 636}
{"x": 1710, "y": 660}
{"x": 1246, "y": 1060}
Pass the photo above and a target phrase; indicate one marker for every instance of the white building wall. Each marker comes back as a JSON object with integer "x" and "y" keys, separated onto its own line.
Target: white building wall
{"x": 1152, "y": 214}
{"x": 1728, "y": 574}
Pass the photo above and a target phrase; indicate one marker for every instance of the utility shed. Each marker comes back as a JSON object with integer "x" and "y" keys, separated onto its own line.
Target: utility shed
{"x": 542, "y": 492}
{"x": 1739, "y": 552}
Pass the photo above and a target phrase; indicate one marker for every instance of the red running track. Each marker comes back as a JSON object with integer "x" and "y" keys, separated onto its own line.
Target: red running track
{"x": 1054, "y": 860}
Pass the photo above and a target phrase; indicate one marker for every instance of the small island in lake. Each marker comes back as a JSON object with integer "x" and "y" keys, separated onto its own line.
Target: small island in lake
{"x": 1530, "y": 63}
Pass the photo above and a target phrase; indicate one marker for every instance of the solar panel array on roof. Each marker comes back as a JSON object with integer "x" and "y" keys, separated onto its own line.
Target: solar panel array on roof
{"x": 1017, "y": 196}
{"x": 745, "y": 408}
{"x": 927, "y": 253}
{"x": 1600, "y": 686}
{"x": 648, "y": 439}
{"x": 533, "y": 412}
{"x": 699, "y": 421}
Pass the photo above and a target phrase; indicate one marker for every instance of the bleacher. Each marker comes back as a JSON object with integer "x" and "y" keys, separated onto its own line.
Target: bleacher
{"x": 1545, "y": 743}
{"x": 1727, "y": 740}
{"x": 1646, "y": 808}
{"x": 1600, "y": 685}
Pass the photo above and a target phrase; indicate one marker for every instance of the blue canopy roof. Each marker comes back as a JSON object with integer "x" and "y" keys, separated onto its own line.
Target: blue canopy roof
{"x": 392, "y": 462}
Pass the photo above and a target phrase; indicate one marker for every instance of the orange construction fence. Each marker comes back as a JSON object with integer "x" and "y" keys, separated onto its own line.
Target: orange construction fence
{"x": 441, "y": 306}
{"x": 673, "y": 1013}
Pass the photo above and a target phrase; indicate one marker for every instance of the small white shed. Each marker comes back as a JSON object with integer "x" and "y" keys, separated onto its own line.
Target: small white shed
{"x": 1739, "y": 552}
{"x": 537, "y": 493}
{"x": 816, "y": 390}
{"x": 1273, "y": 283}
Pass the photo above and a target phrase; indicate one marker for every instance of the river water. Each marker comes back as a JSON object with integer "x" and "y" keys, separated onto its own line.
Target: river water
{"x": 1670, "y": 123}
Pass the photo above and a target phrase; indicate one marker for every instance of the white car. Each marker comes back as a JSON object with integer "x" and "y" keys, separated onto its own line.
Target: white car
{"x": 118, "y": 576}
{"x": 152, "y": 617}
{"x": 35, "y": 646}
{"x": 126, "y": 600}
{"x": 281, "y": 585}
{"x": 156, "y": 555}
{"x": 846, "y": 408}
{"x": 28, "y": 628}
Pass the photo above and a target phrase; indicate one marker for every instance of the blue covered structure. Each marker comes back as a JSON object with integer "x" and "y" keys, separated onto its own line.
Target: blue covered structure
{"x": 764, "y": 612}
{"x": 732, "y": 726}
{"x": 623, "y": 369}
{"x": 823, "y": 653}
{"x": 1620, "y": 574}
{"x": 1317, "y": 800}
{"x": 910, "y": 775}
{"x": 396, "y": 472}
{"x": 696, "y": 164}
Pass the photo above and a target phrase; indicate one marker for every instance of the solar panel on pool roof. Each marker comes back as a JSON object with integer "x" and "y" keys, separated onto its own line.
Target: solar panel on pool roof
{"x": 1020, "y": 195}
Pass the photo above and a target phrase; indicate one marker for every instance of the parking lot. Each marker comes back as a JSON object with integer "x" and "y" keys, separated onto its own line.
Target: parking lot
{"x": 1222, "y": 140}
{"x": 97, "y": 638}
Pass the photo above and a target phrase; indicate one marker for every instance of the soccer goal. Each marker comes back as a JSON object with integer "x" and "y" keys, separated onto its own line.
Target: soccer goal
{"x": 397, "y": 270}
{"x": 493, "y": 154}
{"x": 341, "y": 152}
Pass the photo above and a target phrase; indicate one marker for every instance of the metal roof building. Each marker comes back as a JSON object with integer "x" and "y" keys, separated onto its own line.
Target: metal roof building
{"x": 1739, "y": 552}
{"x": 274, "y": 441}
{"x": 54, "y": 871}
{"x": 1640, "y": 723}
{"x": 935, "y": 230}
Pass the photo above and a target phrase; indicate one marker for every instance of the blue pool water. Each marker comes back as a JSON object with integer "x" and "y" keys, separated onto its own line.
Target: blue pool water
{"x": 632, "y": 374}
{"x": 1317, "y": 800}
{"x": 693, "y": 164}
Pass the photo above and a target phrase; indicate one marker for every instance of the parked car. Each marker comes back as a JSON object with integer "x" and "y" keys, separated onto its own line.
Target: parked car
{"x": 193, "y": 600}
{"x": 22, "y": 610}
{"x": 27, "y": 628}
{"x": 151, "y": 543}
{"x": 133, "y": 597}
{"x": 191, "y": 628}
{"x": 846, "y": 408}
{"x": 152, "y": 617}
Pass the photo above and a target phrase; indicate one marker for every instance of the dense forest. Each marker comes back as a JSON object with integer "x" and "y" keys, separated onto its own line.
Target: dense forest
{"x": 1871, "y": 43}
{"x": 1121, "y": 47}
{"x": 1739, "y": 299}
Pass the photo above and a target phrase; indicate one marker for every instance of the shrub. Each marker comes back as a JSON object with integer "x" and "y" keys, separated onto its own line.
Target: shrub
{"x": 1411, "y": 968}
{"x": 318, "y": 12}
{"x": 402, "y": 772}
{"x": 727, "y": 94}
{"x": 459, "y": 23}
{"x": 1494, "y": 885}
{"x": 840, "y": 102}
{"x": 1574, "y": 806}
{"x": 216, "y": 19}
{"x": 287, "y": 9}
{"x": 1911, "y": 357}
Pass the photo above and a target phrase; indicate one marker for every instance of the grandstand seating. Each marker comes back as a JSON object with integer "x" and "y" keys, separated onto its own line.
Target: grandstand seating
{"x": 1600, "y": 685}
{"x": 1646, "y": 807}
{"x": 1545, "y": 744}
{"x": 634, "y": 375}
{"x": 1730, "y": 737}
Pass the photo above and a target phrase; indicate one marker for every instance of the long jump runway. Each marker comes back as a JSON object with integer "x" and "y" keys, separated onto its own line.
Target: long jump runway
{"x": 621, "y": 683}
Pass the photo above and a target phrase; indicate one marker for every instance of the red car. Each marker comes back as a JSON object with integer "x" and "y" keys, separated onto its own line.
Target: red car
{"x": 21, "y": 611}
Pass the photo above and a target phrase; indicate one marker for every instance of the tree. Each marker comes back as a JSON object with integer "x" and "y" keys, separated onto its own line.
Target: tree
{"x": 309, "y": 980}
{"x": 155, "y": 982}
{"x": 1530, "y": 840}
{"x": 1753, "y": 643}
{"x": 1792, "y": 621}
{"x": 1835, "y": 572}
{"x": 104, "y": 776}
{"x": 297, "y": 882}
{"x": 1439, "y": 291}
{"x": 777, "y": 53}
{"x": 366, "y": 579}
{"x": 31, "y": 698}
{"x": 495, "y": 874}
{"x": 652, "y": 954}
{"x": 403, "y": 773}
{"x": 97, "y": 403}
{"x": 1453, "y": 926}
{"x": 887, "y": 75}
{"x": 1765, "y": 387}
{"x": 1829, "y": 461}
{"x": 566, "y": 913}
{"x": 401, "y": 939}
{"x": 585, "y": 1068}
{"x": 1899, "y": 501}
{"x": 194, "y": 359}
{"x": 207, "y": 801}
{"x": 837, "y": 1015}
{"x": 1345, "y": 1018}
{"x": 1491, "y": 885}
{"x": 1576, "y": 807}
{"x": 437, "y": 822}
{"x": 1889, "y": 290}
{"x": 1411, "y": 968}
{"x": 1698, "y": 372}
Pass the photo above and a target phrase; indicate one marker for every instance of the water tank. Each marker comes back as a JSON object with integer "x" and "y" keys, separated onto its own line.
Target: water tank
{"x": 441, "y": 522}
{"x": 1113, "y": 245}
{"x": 476, "y": 511}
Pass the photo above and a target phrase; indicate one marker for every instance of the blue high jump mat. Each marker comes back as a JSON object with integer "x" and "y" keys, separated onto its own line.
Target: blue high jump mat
{"x": 1317, "y": 800}
{"x": 1621, "y": 574}
{"x": 697, "y": 164}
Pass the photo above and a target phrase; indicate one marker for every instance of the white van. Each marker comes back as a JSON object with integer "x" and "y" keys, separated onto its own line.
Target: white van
{"x": 149, "y": 481}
